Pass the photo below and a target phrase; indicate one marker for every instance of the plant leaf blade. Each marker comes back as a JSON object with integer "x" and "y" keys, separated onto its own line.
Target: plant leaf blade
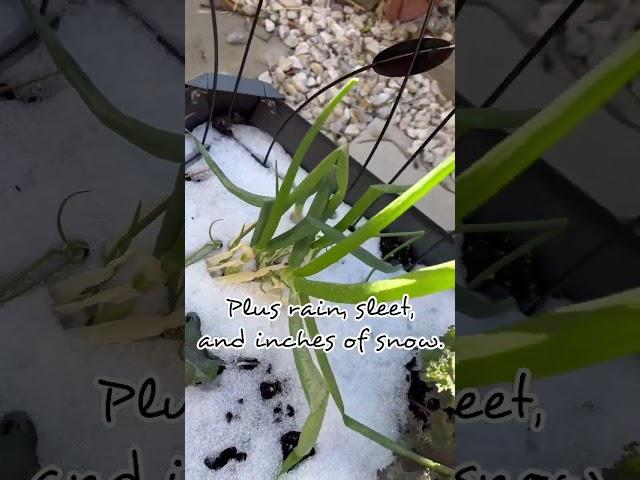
{"x": 160, "y": 143}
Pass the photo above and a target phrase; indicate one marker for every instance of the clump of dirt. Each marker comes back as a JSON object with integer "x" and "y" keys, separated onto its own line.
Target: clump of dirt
{"x": 520, "y": 279}
{"x": 418, "y": 390}
{"x": 224, "y": 458}
{"x": 279, "y": 412}
{"x": 289, "y": 441}
{"x": 405, "y": 256}
{"x": 268, "y": 390}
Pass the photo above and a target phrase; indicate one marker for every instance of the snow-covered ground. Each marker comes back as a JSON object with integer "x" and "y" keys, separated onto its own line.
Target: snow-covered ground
{"x": 373, "y": 386}
{"x": 589, "y": 416}
{"x": 50, "y": 148}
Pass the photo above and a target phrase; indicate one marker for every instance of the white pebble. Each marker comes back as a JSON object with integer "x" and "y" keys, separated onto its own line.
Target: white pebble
{"x": 235, "y": 38}
{"x": 269, "y": 26}
{"x": 380, "y": 99}
{"x": 352, "y": 130}
{"x": 265, "y": 77}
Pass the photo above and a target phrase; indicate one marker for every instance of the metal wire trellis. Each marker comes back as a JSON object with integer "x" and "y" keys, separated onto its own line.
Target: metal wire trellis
{"x": 418, "y": 50}
{"x": 244, "y": 59}
{"x": 533, "y": 52}
{"x": 329, "y": 86}
{"x": 212, "y": 93}
{"x": 508, "y": 80}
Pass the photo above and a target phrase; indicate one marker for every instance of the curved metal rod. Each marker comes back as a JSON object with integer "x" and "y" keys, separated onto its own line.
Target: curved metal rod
{"x": 308, "y": 101}
{"x": 442, "y": 123}
{"x": 329, "y": 86}
{"x": 244, "y": 59}
{"x": 533, "y": 52}
{"x": 212, "y": 95}
{"x": 398, "y": 97}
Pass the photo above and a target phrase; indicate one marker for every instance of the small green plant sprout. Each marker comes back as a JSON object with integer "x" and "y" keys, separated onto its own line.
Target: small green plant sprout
{"x": 106, "y": 300}
{"x": 628, "y": 467}
{"x": 51, "y": 263}
{"x": 284, "y": 262}
{"x": 204, "y": 251}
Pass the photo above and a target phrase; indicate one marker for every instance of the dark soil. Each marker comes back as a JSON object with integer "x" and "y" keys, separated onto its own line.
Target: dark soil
{"x": 289, "y": 441}
{"x": 11, "y": 95}
{"x": 269, "y": 390}
{"x": 405, "y": 256}
{"x": 520, "y": 279}
{"x": 7, "y": 95}
{"x": 279, "y": 412}
{"x": 417, "y": 392}
{"x": 225, "y": 457}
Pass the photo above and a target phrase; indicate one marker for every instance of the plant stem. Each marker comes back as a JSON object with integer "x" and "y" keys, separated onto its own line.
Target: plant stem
{"x": 147, "y": 220}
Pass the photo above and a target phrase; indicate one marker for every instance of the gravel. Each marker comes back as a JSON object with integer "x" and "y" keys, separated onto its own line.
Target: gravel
{"x": 328, "y": 42}
{"x": 593, "y": 32}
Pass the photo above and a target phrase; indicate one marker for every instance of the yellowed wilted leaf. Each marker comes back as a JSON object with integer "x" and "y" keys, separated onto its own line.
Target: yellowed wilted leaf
{"x": 135, "y": 327}
{"x": 112, "y": 295}
{"x": 245, "y": 252}
{"x": 151, "y": 268}
{"x": 222, "y": 266}
{"x": 214, "y": 260}
{"x": 70, "y": 288}
{"x": 243, "y": 277}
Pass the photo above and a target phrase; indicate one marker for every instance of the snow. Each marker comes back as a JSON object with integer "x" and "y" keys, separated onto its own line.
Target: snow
{"x": 11, "y": 24}
{"x": 588, "y": 416}
{"x": 51, "y": 148}
{"x": 373, "y": 386}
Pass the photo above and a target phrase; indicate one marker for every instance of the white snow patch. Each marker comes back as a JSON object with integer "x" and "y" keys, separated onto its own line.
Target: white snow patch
{"x": 46, "y": 375}
{"x": 588, "y": 419}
